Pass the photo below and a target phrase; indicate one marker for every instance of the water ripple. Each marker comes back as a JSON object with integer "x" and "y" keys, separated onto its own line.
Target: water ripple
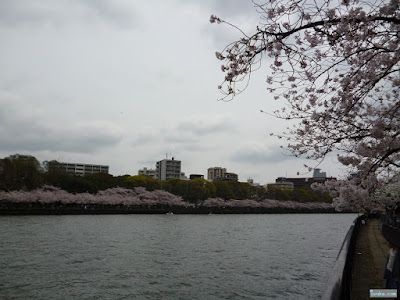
{"x": 153, "y": 257}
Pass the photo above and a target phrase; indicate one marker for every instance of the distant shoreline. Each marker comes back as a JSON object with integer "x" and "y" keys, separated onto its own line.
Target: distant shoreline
{"x": 12, "y": 208}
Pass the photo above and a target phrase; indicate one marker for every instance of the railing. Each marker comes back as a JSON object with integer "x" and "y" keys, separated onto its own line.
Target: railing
{"x": 339, "y": 284}
{"x": 391, "y": 230}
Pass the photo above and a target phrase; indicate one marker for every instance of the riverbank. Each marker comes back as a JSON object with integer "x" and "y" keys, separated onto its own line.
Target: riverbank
{"x": 369, "y": 260}
{"x": 12, "y": 208}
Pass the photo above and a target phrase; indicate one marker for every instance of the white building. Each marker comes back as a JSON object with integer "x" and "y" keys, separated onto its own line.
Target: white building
{"x": 77, "y": 168}
{"x": 148, "y": 173}
{"x": 168, "y": 169}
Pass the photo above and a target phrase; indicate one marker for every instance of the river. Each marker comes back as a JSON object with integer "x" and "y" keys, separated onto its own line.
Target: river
{"x": 286, "y": 256}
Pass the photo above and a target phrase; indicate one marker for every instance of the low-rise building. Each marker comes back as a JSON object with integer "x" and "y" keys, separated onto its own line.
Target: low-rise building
{"x": 283, "y": 185}
{"x": 231, "y": 176}
{"x": 193, "y": 176}
{"x": 304, "y": 182}
{"x": 77, "y": 168}
{"x": 148, "y": 173}
{"x": 318, "y": 174}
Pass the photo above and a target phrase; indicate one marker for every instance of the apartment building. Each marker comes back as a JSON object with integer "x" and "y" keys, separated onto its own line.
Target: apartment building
{"x": 168, "y": 169}
{"x": 215, "y": 173}
{"x": 231, "y": 176}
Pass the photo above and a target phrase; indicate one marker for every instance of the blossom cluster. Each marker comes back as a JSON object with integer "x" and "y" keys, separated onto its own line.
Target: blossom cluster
{"x": 139, "y": 196}
{"x": 114, "y": 196}
{"x": 336, "y": 64}
{"x": 267, "y": 203}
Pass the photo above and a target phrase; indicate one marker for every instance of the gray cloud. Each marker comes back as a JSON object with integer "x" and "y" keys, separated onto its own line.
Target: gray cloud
{"x": 80, "y": 139}
{"x": 179, "y": 138}
{"x": 197, "y": 147}
{"x": 143, "y": 139}
{"x": 188, "y": 131}
{"x": 203, "y": 128}
{"x": 23, "y": 128}
{"x": 206, "y": 125}
{"x": 70, "y": 67}
{"x": 261, "y": 155}
{"x": 60, "y": 13}
{"x": 227, "y": 8}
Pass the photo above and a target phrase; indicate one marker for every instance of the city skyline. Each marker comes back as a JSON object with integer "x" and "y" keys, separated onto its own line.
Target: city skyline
{"x": 163, "y": 167}
{"x": 124, "y": 83}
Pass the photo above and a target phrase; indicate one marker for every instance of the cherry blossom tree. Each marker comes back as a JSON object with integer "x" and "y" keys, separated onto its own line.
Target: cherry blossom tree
{"x": 266, "y": 203}
{"x": 114, "y": 196}
{"x": 336, "y": 64}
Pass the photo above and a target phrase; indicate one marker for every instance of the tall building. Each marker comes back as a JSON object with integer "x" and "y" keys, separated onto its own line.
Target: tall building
{"x": 168, "y": 169}
{"x": 148, "y": 173}
{"x": 215, "y": 173}
{"x": 76, "y": 168}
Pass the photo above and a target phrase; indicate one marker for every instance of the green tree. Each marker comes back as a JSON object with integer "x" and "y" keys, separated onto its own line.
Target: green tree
{"x": 174, "y": 186}
{"x": 20, "y": 173}
{"x": 261, "y": 193}
{"x": 242, "y": 190}
{"x": 198, "y": 190}
{"x": 70, "y": 182}
{"x": 101, "y": 181}
{"x": 223, "y": 190}
{"x": 135, "y": 181}
{"x": 152, "y": 184}
{"x": 278, "y": 194}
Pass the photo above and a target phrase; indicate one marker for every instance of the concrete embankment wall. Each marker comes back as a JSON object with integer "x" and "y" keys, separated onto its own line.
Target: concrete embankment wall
{"x": 339, "y": 284}
{"x": 12, "y": 208}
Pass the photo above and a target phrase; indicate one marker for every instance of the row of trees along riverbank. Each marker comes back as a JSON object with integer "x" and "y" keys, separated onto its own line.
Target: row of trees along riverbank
{"x": 25, "y": 174}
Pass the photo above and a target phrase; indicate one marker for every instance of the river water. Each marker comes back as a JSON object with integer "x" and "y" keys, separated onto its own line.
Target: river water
{"x": 287, "y": 256}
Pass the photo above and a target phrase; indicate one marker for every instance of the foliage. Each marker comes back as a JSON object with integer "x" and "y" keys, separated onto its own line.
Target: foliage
{"x": 297, "y": 195}
{"x": 192, "y": 191}
{"x": 70, "y": 182}
{"x": 101, "y": 181}
{"x": 20, "y": 173}
{"x": 224, "y": 190}
{"x": 337, "y": 66}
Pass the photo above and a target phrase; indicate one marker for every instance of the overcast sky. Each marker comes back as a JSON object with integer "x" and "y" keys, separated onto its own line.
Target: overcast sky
{"x": 125, "y": 83}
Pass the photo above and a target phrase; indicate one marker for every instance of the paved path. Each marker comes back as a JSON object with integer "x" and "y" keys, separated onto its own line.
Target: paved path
{"x": 369, "y": 260}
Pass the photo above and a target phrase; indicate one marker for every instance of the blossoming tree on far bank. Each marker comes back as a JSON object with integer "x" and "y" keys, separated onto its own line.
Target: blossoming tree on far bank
{"x": 336, "y": 64}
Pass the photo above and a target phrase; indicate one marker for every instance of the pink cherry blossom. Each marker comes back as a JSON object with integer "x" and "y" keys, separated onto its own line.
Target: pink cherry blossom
{"x": 336, "y": 64}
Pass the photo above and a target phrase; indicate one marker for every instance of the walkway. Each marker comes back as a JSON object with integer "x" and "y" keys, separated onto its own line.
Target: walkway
{"x": 369, "y": 261}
